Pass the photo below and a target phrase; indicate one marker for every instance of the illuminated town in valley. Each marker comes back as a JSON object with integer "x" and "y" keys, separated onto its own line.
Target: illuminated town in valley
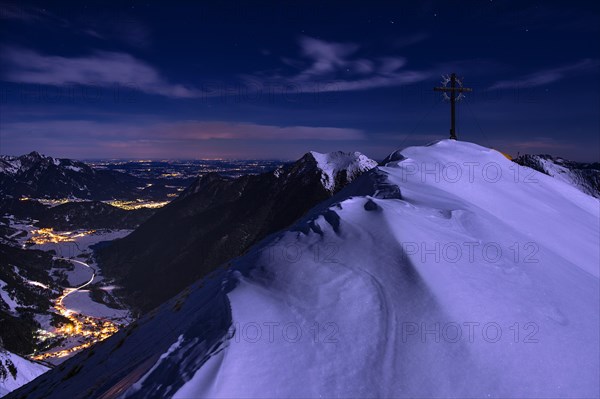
{"x": 81, "y": 331}
{"x": 78, "y": 324}
{"x": 76, "y": 329}
{"x": 48, "y": 235}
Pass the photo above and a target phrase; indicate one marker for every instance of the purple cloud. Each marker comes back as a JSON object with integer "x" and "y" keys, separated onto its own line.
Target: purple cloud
{"x": 176, "y": 130}
{"x": 30, "y": 14}
{"x": 547, "y": 76}
{"x": 127, "y": 30}
{"x": 338, "y": 65}
{"x": 327, "y": 57}
{"x": 409, "y": 40}
{"x": 102, "y": 69}
{"x": 177, "y": 139}
{"x": 105, "y": 26}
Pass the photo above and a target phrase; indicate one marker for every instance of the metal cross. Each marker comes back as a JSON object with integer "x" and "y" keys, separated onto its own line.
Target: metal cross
{"x": 454, "y": 88}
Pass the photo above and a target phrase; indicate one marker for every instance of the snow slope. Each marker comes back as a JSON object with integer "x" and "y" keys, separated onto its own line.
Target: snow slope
{"x": 26, "y": 371}
{"x": 449, "y": 272}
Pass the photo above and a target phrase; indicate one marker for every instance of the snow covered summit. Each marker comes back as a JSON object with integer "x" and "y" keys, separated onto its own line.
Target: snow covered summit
{"x": 449, "y": 272}
{"x": 341, "y": 166}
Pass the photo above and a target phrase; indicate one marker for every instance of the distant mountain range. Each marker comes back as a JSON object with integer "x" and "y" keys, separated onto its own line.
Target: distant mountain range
{"x": 217, "y": 219}
{"x": 39, "y": 176}
{"x": 583, "y": 176}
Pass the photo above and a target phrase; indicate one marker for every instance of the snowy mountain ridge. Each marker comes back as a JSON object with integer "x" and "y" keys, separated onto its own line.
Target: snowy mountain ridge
{"x": 341, "y": 165}
{"x": 35, "y": 175}
{"x": 584, "y": 176}
{"x": 449, "y": 271}
{"x": 12, "y": 165}
{"x": 218, "y": 218}
{"x": 336, "y": 169}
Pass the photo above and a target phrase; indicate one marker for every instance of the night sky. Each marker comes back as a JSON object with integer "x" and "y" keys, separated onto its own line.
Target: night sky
{"x": 242, "y": 79}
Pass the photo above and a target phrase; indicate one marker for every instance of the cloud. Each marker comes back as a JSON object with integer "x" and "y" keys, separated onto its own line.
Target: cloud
{"x": 529, "y": 143}
{"x": 327, "y": 57}
{"x": 29, "y": 14}
{"x": 104, "y": 25}
{"x": 547, "y": 76}
{"x": 189, "y": 130}
{"x": 187, "y": 139}
{"x": 94, "y": 33}
{"x": 324, "y": 66}
{"x": 542, "y": 144}
{"x": 197, "y": 130}
{"x": 101, "y": 69}
{"x": 123, "y": 29}
{"x": 340, "y": 68}
{"x": 411, "y": 39}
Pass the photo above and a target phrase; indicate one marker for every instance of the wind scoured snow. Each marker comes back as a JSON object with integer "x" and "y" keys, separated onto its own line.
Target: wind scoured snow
{"x": 331, "y": 164}
{"x": 364, "y": 305}
{"x": 26, "y": 371}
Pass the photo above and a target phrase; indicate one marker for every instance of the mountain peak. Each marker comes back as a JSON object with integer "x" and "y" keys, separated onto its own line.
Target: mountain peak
{"x": 36, "y": 157}
{"x": 339, "y": 168}
{"x": 35, "y": 154}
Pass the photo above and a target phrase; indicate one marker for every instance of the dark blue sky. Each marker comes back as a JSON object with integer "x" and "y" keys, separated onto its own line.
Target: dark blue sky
{"x": 243, "y": 79}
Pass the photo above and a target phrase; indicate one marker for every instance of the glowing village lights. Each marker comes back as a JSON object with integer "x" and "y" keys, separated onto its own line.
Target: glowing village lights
{"x": 48, "y": 235}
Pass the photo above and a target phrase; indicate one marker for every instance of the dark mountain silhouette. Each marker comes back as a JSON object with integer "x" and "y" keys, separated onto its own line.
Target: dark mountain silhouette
{"x": 217, "y": 219}
{"x": 40, "y": 176}
{"x": 92, "y": 215}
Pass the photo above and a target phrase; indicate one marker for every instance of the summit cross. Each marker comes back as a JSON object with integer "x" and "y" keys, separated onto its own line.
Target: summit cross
{"x": 453, "y": 85}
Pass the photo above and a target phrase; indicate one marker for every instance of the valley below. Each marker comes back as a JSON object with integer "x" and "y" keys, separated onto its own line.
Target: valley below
{"x": 55, "y": 214}
{"x": 83, "y": 311}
